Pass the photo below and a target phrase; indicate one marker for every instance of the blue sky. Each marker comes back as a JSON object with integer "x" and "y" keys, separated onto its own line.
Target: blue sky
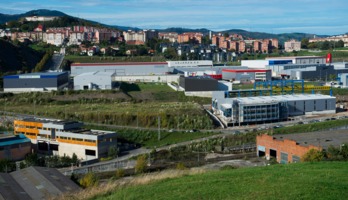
{"x": 271, "y": 16}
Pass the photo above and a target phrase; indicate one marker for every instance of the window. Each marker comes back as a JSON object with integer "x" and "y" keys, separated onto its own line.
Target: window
{"x": 295, "y": 159}
{"x": 89, "y": 152}
{"x": 283, "y": 158}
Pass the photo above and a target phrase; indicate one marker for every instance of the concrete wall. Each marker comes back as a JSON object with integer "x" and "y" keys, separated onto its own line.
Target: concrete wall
{"x": 92, "y": 82}
{"x": 200, "y": 94}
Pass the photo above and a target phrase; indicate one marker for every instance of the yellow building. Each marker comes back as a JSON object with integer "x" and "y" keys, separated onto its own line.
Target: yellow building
{"x": 66, "y": 137}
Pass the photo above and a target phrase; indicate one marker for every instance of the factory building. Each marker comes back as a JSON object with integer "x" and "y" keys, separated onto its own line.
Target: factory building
{"x": 66, "y": 137}
{"x": 198, "y": 83}
{"x": 190, "y": 63}
{"x": 121, "y": 69}
{"x": 244, "y": 110}
{"x": 36, "y": 82}
{"x": 261, "y": 64}
{"x": 288, "y": 148}
{"x": 246, "y": 75}
{"x": 14, "y": 147}
{"x": 342, "y": 78}
{"x": 94, "y": 81}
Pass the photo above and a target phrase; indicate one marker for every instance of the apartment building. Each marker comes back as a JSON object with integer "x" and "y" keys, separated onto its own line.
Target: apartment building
{"x": 185, "y": 37}
{"x": 171, "y": 36}
{"x": 59, "y": 137}
{"x": 292, "y": 45}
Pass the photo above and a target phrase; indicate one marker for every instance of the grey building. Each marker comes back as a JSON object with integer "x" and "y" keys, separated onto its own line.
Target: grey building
{"x": 94, "y": 80}
{"x": 35, "y": 183}
{"x": 121, "y": 69}
{"x": 36, "y": 82}
{"x": 307, "y": 71}
{"x": 247, "y": 75}
{"x": 269, "y": 108}
{"x": 198, "y": 83}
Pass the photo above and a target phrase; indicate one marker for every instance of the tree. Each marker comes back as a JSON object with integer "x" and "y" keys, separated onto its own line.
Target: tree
{"x": 170, "y": 53}
{"x": 313, "y": 155}
{"x": 226, "y": 35}
{"x": 325, "y": 45}
{"x": 113, "y": 152}
{"x": 141, "y": 164}
{"x": 304, "y": 43}
{"x": 340, "y": 44}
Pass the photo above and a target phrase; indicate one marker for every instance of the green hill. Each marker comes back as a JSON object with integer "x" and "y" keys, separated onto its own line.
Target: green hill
{"x": 323, "y": 180}
{"x": 17, "y": 57}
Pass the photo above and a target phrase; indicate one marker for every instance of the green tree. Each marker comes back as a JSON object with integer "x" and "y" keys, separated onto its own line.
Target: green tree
{"x": 325, "y": 45}
{"x": 226, "y": 35}
{"x": 304, "y": 43}
{"x": 113, "y": 152}
{"x": 340, "y": 44}
{"x": 313, "y": 155}
{"x": 170, "y": 53}
{"x": 141, "y": 164}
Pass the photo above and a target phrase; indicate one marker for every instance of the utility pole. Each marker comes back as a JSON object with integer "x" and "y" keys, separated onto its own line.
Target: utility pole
{"x": 159, "y": 128}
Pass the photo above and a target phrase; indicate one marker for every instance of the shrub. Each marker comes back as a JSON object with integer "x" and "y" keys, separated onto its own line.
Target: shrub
{"x": 181, "y": 166}
{"x": 89, "y": 180}
{"x": 120, "y": 173}
{"x": 313, "y": 155}
{"x": 141, "y": 163}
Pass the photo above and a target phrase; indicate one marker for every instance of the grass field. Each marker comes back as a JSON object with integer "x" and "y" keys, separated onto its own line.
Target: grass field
{"x": 110, "y": 59}
{"x": 323, "y": 180}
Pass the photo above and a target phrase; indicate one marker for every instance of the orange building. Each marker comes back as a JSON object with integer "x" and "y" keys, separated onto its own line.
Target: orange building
{"x": 257, "y": 46}
{"x": 185, "y": 37}
{"x": 242, "y": 46}
{"x": 66, "y": 137}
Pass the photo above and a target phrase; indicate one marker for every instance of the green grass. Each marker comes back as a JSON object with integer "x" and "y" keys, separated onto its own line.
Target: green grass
{"x": 323, "y": 180}
{"x": 149, "y": 139}
{"x": 109, "y": 59}
{"x": 318, "y": 126}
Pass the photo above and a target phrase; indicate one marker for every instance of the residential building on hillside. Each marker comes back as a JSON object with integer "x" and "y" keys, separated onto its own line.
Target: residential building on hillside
{"x": 40, "y": 18}
{"x": 171, "y": 36}
{"x": 185, "y": 37}
{"x": 337, "y": 38}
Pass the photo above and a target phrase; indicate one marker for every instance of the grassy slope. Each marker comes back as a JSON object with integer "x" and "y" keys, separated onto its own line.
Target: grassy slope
{"x": 325, "y": 180}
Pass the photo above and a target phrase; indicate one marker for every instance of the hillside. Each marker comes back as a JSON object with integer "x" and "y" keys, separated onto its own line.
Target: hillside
{"x": 17, "y": 57}
{"x": 42, "y": 12}
{"x": 323, "y": 180}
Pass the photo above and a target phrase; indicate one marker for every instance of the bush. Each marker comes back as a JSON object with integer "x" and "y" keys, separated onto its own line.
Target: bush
{"x": 313, "y": 155}
{"x": 89, "y": 180}
{"x": 120, "y": 173}
{"x": 181, "y": 166}
{"x": 141, "y": 164}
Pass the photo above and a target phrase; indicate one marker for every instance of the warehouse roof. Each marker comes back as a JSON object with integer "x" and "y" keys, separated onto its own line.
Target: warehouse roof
{"x": 14, "y": 139}
{"x": 97, "y": 73}
{"x": 280, "y": 98}
{"x": 36, "y": 75}
{"x": 119, "y": 64}
{"x": 323, "y": 138}
{"x": 35, "y": 183}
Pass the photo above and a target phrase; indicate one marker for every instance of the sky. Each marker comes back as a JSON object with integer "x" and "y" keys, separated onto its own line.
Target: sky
{"x": 322, "y": 17}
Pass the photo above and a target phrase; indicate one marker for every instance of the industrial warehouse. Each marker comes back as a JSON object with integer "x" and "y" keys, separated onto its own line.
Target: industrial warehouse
{"x": 66, "y": 137}
{"x": 245, "y": 110}
{"x": 288, "y": 148}
{"x": 36, "y": 82}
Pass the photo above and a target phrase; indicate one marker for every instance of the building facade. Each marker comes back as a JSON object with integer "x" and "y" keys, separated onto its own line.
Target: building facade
{"x": 14, "y": 147}
{"x": 36, "y": 82}
{"x": 292, "y": 45}
{"x": 244, "y": 110}
{"x": 246, "y": 75}
{"x": 94, "y": 81}
{"x": 66, "y": 138}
